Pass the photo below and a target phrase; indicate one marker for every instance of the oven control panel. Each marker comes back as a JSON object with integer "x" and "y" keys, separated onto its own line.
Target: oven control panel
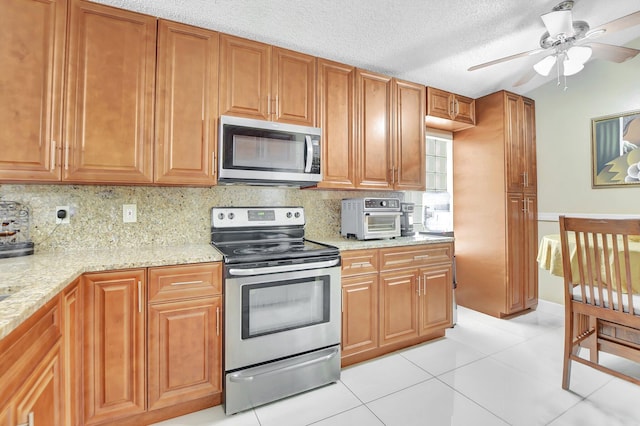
{"x": 234, "y": 217}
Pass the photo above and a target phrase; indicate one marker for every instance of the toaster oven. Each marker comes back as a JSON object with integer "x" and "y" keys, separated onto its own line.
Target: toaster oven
{"x": 370, "y": 218}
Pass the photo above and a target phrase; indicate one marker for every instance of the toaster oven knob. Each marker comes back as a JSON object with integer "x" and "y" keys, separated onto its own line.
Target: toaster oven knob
{"x": 231, "y": 216}
{"x": 220, "y": 216}
{"x": 383, "y": 203}
{"x": 289, "y": 215}
{"x": 297, "y": 215}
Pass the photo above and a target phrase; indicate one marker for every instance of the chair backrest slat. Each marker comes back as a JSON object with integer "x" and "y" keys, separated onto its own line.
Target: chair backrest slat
{"x": 597, "y": 259}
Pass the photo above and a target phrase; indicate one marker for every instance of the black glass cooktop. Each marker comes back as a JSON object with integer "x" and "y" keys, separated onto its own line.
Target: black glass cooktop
{"x": 263, "y": 251}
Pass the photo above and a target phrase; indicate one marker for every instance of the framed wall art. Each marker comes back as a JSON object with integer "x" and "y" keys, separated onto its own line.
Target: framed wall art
{"x": 615, "y": 150}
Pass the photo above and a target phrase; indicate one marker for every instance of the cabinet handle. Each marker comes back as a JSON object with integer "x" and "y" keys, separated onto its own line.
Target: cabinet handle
{"x": 424, "y": 291}
{"x": 419, "y": 286}
{"x": 218, "y": 321}
{"x": 30, "y": 420}
{"x": 53, "y": 154}
{"x": 66, "y": 157}
{"x": 214, "y": 166}
{"x": 360, "y": 264}
{"x": 526, "y": 179}
{"x": 456, "y": 107}
{"x": 275, "y": 106}
{"x": 524, "y": 206}
{"x": 187, "y": 282}
{"x": 139, "y": 296}
{"x": 420, "y": 257}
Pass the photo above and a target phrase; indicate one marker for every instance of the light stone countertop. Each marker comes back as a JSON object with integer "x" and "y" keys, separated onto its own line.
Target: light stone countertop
{"x": 31, "y": 281}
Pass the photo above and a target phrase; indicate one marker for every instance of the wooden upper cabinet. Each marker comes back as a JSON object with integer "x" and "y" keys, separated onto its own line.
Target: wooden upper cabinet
{"x": 520, "y": 143}
{"x": 409, "y": 155}
{"x": 448, "y": 111}
{"x": 186, "y": 105}
{"x": 336, "y": 118}
{"x": 293, "y": 87}
{"x": 265, "y": 82}
{"x": 32, "y": 40}
{"x": 374, "y": 159}
{"x": 245, "y": 76}
{"x": 109, "y": 95}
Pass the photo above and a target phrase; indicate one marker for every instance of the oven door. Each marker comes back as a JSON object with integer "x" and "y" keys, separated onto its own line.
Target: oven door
{"x": 280, "y": 314}
{"x": 381, "y": 224}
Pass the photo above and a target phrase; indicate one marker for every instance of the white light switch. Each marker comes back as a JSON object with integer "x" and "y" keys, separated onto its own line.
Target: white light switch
{"x": 129, "y": 213}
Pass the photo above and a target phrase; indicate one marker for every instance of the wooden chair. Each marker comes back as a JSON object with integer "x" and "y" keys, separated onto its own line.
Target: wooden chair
{"x": 602, "y": 313}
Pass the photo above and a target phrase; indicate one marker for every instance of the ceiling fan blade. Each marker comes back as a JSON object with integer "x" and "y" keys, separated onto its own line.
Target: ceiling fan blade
{"x": 558, "y": 22}
{"x": 506, "y": 58}
{"x": 613, "y": 53}
{"x": 617, "y": 24}
{"x": 526, "y": 77}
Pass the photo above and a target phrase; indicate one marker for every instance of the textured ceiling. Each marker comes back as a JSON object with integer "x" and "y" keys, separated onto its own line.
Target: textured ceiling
{"x": 432, "y": 42}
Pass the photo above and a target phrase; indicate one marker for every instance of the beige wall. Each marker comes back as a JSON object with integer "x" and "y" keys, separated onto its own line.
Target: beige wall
{"x": 563, "y": 127}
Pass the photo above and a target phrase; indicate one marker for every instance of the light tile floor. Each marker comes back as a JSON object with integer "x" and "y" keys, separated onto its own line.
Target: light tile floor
{"x": 486, "y": 371}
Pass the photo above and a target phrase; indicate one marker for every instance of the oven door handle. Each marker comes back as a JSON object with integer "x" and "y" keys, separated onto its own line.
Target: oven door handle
{"x": 243, "y": 377}
{"x": 283, "y": 268}
{"x": 398, "y": 214}
{"x": 309, "y": 149}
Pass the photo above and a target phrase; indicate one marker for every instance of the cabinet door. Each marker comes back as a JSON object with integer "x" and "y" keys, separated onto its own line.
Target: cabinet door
{"x": 516, "y": 248}
{"x": 39, "y": 401}
{"x": 528, "y": 126}
{"x": 374, "y": 131}
{"x": 464, "y": 110}
{"x": 409, "y": 156}
{"x": 186, "y": 105}
{"x": 398, "y": 306}
{"x": 114, "y": 345}
{"x": 336, "y": 92}
{"x": 72, "y": 352}
{"x": 109, "y": 104}
{"x": 531, "y": 251}
{"x": 32, "y": 40}
{"x": 245, "y": 77}
{"x": 359, "y": 314}
{"x": 185, "y": 343}
{"x": 293, "y": 87}
{"x": 435, "y": 298}
{"x": 513, "y": 139}
{"x": 439, "y": 103}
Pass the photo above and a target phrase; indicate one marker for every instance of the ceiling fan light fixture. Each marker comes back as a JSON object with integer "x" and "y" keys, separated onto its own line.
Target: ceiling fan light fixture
{"x": 558, "y": 22}
{"x": 579, "y": 54}
{"x": 544, "y": 66}
{"x": 571, "y": 67}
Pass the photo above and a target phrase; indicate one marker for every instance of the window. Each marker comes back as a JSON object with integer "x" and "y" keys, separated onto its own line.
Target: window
{"x": 437, "y": 200}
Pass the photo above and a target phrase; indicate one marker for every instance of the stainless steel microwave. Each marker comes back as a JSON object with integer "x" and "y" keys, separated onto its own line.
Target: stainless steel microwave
{"x": 258, "y": 152}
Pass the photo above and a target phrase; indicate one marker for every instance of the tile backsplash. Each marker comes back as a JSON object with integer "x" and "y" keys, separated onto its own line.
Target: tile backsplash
{"x": 165, "y": 215}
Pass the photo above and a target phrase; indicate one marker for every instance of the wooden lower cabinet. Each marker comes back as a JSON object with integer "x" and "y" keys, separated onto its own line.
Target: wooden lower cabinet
{"x": 398, "y": 306}
{"x": 394, "y": 298}
{"x": 30, "y": 370}
{"x": 39, "y": 401}
{"x": 359, "y": 314}
{"x": 184, "y": 334}
{"x": 114, "y": 344}
{"x": 71, "y": 301}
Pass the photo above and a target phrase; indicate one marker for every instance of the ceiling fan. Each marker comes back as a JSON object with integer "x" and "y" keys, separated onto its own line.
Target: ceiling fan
{"x": 569, "y": 44}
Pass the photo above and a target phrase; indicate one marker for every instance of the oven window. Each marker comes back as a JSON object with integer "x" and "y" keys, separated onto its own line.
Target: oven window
{"x": 284, "y": 305}
{"x": 381, "y": 223}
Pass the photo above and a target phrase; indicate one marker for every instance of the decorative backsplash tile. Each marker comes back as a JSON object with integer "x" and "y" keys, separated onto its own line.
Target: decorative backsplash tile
{"x": 165, "y": 215}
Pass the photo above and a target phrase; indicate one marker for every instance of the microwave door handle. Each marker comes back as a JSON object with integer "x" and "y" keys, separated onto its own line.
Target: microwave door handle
{"x": 309, "y": 149}
{"x": 398, "y": 214}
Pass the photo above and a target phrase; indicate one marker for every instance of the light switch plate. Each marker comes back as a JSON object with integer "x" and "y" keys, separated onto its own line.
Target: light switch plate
{"x": 129, "y": 213}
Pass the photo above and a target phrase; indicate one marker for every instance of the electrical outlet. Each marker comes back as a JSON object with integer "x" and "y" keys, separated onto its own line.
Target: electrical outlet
{"x": 129, "y": 213}
{"x": 63, "y": 214}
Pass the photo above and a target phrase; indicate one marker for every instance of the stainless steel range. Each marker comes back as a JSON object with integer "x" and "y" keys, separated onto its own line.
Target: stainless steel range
{"x": 282, "y": 305}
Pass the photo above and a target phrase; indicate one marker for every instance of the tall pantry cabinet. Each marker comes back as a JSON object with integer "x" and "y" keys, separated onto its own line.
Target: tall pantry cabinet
{"x": 495, "y": 217}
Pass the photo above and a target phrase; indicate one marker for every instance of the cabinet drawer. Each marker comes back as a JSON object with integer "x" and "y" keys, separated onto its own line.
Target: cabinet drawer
{"x": 405, "y": 257}
{"x": 185, "y": 281}
{"x": 358, "y": 262}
